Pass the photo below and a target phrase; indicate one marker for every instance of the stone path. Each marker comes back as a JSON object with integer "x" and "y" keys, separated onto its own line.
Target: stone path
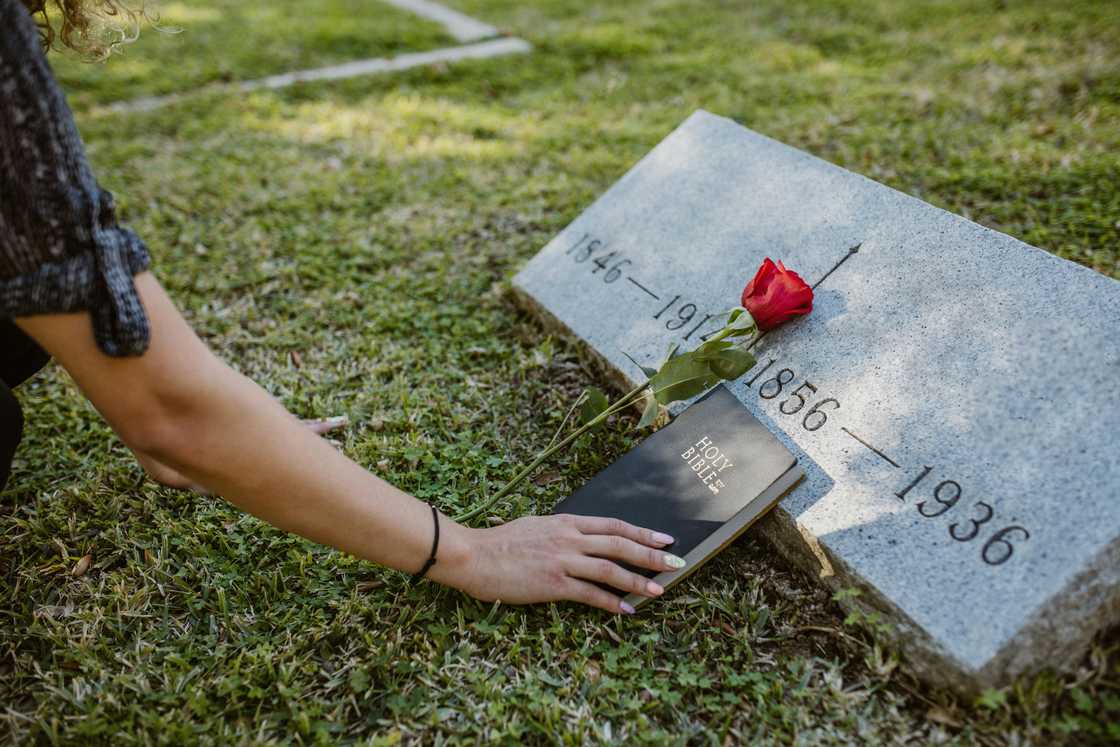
{"x": 462, "y": 27}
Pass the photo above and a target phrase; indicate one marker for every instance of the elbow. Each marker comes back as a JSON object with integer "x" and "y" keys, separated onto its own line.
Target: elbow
{"x": 161, "y": 435}
{"x": 169, "y": 423}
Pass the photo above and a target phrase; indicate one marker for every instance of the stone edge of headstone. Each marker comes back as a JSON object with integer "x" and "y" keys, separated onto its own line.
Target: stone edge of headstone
{"x": 923, "y": 657}
{"x": 1064, "y": 625}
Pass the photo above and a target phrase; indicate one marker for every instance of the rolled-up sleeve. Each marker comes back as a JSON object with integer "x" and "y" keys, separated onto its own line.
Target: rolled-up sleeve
{"x": 61, "y": 248}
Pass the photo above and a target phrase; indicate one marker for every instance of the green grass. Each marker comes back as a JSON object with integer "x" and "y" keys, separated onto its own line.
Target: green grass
{"x": 371, "y": 225}
{"x": 218, "y": 41}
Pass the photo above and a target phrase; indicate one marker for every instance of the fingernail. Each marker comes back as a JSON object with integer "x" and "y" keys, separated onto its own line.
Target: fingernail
{"x": 654, "y": 588}
{"x": 338, "y": 420}
{"x": 673, "y": 561}
{"x": 662, "y": 539}
{"x": 626, "y": 608}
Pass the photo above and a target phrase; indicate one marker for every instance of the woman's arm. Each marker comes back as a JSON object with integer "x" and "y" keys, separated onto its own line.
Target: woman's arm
{"x": 182, "y": 406}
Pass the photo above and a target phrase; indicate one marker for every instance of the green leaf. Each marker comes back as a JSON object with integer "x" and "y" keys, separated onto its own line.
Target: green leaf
{"x": 673, "y": 348}
{"x": 594, "y": 404}
{"x": 549, "y": 679}
{"x": 741, "y": 323}
{"x": 711, "y": 349}
{"x": 359, "y": 681}
{"x": 760, "y": 621}
{"x": 731, "y": 363}
{"x": 650, "y": 413}
{"x": 992, "y": 699}
{"x": 649, "y": 371}
{"x": 1081, "y": 700}
{"x": 681, "y": 378}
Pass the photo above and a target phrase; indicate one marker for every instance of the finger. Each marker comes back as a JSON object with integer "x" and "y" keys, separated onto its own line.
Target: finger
{"x": 605, "y": 525}
{"x": 619, "y": 548}
{"x": 593, "y": 596}
{"x": 608, "y": 572}
{"x": 326, "y": 425}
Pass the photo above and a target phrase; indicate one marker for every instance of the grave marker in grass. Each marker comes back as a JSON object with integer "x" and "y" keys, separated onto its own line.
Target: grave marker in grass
{"x": 954, "y": 397}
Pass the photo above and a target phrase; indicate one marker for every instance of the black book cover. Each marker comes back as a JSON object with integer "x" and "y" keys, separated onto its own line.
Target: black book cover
{"x": 703, "y": 479}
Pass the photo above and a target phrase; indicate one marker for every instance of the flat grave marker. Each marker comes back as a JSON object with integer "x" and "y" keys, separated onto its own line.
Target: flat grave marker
{"x": 954, "y": 397}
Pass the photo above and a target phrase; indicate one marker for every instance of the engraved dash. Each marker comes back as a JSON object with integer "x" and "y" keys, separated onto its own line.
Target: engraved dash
{"x": 836, "y": 266}
{"x": 647, "y": 290}
{"x": 881, "y": 454}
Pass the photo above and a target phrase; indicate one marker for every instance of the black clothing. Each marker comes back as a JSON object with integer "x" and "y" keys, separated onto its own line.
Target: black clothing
{"x": 21, "y": 358}
{"x": 11, "y": 430}
{"x": 60, "y": 246}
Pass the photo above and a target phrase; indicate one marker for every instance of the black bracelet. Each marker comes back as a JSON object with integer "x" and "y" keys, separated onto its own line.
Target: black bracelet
{"x": 435, "y": 546}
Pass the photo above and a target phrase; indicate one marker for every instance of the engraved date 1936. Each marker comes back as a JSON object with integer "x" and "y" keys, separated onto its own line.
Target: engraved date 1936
{"x": 945, "y": 497}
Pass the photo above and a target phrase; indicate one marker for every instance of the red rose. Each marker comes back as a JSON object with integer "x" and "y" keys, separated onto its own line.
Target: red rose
{"x": 776, "y": 295}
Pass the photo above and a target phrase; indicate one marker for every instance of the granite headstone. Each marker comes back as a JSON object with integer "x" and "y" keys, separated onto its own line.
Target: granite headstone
{"x": 954, "y": 397}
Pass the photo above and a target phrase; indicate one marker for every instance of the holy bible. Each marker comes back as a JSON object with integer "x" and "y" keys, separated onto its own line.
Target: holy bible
{"x": 703, "y": 479}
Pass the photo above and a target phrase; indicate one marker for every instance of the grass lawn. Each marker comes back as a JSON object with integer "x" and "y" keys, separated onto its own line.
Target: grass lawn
{"x": 211, "y": 41}
{"x": 367, "y": 229}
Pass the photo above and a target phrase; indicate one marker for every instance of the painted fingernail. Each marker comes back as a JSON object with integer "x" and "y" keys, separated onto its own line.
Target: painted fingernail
{"x": 626, "y": 608}
{"x": 654, "y": 589}
{"x": 673, "y": 561}
{"x": 662, "y": 539}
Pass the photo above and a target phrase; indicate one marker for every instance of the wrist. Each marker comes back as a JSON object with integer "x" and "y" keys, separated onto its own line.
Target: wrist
{"x": 455, "y": 557}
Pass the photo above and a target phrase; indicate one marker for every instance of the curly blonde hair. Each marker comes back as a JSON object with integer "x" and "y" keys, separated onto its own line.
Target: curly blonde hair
{"x": 92, "y": 28}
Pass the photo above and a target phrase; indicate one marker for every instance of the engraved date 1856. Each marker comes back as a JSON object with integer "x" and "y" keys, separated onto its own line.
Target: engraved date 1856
{"x": 796, "y": 398}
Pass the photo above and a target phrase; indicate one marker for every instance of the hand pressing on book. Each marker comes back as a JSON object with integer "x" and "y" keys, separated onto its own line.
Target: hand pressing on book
{"x": 560, "y": 557}
{"x": 774, "y": 296}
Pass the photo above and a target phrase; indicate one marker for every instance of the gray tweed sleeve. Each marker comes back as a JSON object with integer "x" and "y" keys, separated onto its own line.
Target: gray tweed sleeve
{"x": 61, "y": 249}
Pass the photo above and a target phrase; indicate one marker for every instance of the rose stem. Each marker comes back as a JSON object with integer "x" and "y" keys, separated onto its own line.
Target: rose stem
{"x": 509, "y": 486}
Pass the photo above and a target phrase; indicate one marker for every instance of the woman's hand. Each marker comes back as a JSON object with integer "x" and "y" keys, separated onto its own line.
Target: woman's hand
{"x": 549, "y": 558}
{"x": 211, "y": 426}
